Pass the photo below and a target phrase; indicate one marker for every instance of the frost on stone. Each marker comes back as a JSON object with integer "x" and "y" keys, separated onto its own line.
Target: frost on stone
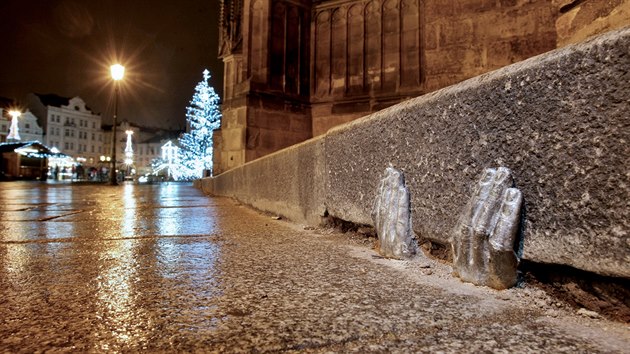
{"x": 391, "y": 214}
{"x": 483, "y": 241}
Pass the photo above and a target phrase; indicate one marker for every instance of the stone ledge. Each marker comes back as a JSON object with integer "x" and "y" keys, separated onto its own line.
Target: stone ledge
{"x": 559, "y": 121}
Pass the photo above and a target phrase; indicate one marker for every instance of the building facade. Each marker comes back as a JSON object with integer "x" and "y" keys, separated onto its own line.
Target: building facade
{"x": 151, "y": 148}
{"x": 146, "y": 144}
{"x": 295, "y": 68}
{"x": 28, "y": 127}
{"x": 70, "y": 126}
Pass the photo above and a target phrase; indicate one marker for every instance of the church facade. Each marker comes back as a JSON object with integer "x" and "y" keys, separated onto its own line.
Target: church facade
{"x": 296, "y": 68}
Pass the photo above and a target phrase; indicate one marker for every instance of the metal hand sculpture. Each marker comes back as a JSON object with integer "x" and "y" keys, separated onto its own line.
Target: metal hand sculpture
{"x": 483, "y": 241}
{"x": 391, "y": 214}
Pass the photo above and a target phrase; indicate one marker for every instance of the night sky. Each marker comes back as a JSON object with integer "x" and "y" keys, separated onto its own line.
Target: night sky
{"x": 65, "y": 47}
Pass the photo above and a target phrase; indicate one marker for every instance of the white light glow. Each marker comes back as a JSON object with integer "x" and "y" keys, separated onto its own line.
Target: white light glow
{"x": 15, "y": 114}
{"x": 14, "y": 130}
{"x": 118, "y": 72}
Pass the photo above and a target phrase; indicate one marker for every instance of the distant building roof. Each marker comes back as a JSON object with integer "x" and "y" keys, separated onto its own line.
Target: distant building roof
{"x": 6, "y": 102}
{"x": 165, "y": 135}
{"x": 51, "y": 99}
{"x": 108, "y": 127}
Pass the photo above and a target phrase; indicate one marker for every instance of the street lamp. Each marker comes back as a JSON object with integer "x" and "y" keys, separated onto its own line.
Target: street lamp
{"x": 14, "y": 130}
{"x": 117, "y": 71}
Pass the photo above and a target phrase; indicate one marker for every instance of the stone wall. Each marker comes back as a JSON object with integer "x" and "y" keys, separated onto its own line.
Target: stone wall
{"x": 580, "y": 19}
{"x": 265, "y": 48}
{"x": 290, "y": 182}
{"x": 464, "y": 39}
{"x": 559, "y": 121}
{"x": 370, "y": 54}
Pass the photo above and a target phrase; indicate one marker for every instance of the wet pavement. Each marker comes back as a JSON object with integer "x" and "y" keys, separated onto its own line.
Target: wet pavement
{"x": 165, "y": 268}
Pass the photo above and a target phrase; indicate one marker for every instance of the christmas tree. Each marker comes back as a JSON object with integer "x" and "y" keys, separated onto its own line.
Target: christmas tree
{"x": 203, "y": 117}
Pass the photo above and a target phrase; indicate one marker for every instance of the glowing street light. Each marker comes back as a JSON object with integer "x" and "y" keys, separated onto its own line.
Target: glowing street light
{"x": 14, "y": 130}
{"x": 117, "y": 72}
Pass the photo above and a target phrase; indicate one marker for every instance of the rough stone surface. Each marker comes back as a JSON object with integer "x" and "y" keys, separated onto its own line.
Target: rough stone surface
{"x": 558, "y": 121}
{"x": 391, "y": 215}
{"x": 483, "y": 241}
{"x": 580, "y": 19}
{"x": 290, "y": 183}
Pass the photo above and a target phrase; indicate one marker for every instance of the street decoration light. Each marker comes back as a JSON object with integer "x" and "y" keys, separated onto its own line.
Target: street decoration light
{"x": 129, "y": 149}
{"x": 14, "y": 134}
{"x": 117, "y": 72}
{"x": 169, "y": 154}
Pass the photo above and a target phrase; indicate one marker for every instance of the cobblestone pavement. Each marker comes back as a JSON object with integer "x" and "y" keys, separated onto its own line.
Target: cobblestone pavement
{"x": 165, "y": 268}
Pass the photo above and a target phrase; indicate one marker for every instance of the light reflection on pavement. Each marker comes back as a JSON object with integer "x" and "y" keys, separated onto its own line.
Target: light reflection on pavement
{"x": 95, "y": 267}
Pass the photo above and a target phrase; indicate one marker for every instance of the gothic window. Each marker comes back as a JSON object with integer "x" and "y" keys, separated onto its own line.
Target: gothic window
{"x": 292, "y": 80}
{"x": 277, "y": 60}
{"x": 339, "y": 41}
{"x": 373, "y": 45}
{"x": 355, "y": 49}
{"x": 391, "y": 45}
{"x": 322, "y": 53}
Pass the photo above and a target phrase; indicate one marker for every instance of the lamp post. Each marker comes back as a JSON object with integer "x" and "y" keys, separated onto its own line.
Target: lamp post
{"x": 117, "y": 71}
{"x": 14, "y": 134}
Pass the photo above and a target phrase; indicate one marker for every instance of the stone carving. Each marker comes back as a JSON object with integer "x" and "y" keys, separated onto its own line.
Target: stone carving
{"x": 339, "y": 16}
{"x": 230, "y": 34}
{"x": 483, "y": 241}
{"x": 391, "y": 214}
